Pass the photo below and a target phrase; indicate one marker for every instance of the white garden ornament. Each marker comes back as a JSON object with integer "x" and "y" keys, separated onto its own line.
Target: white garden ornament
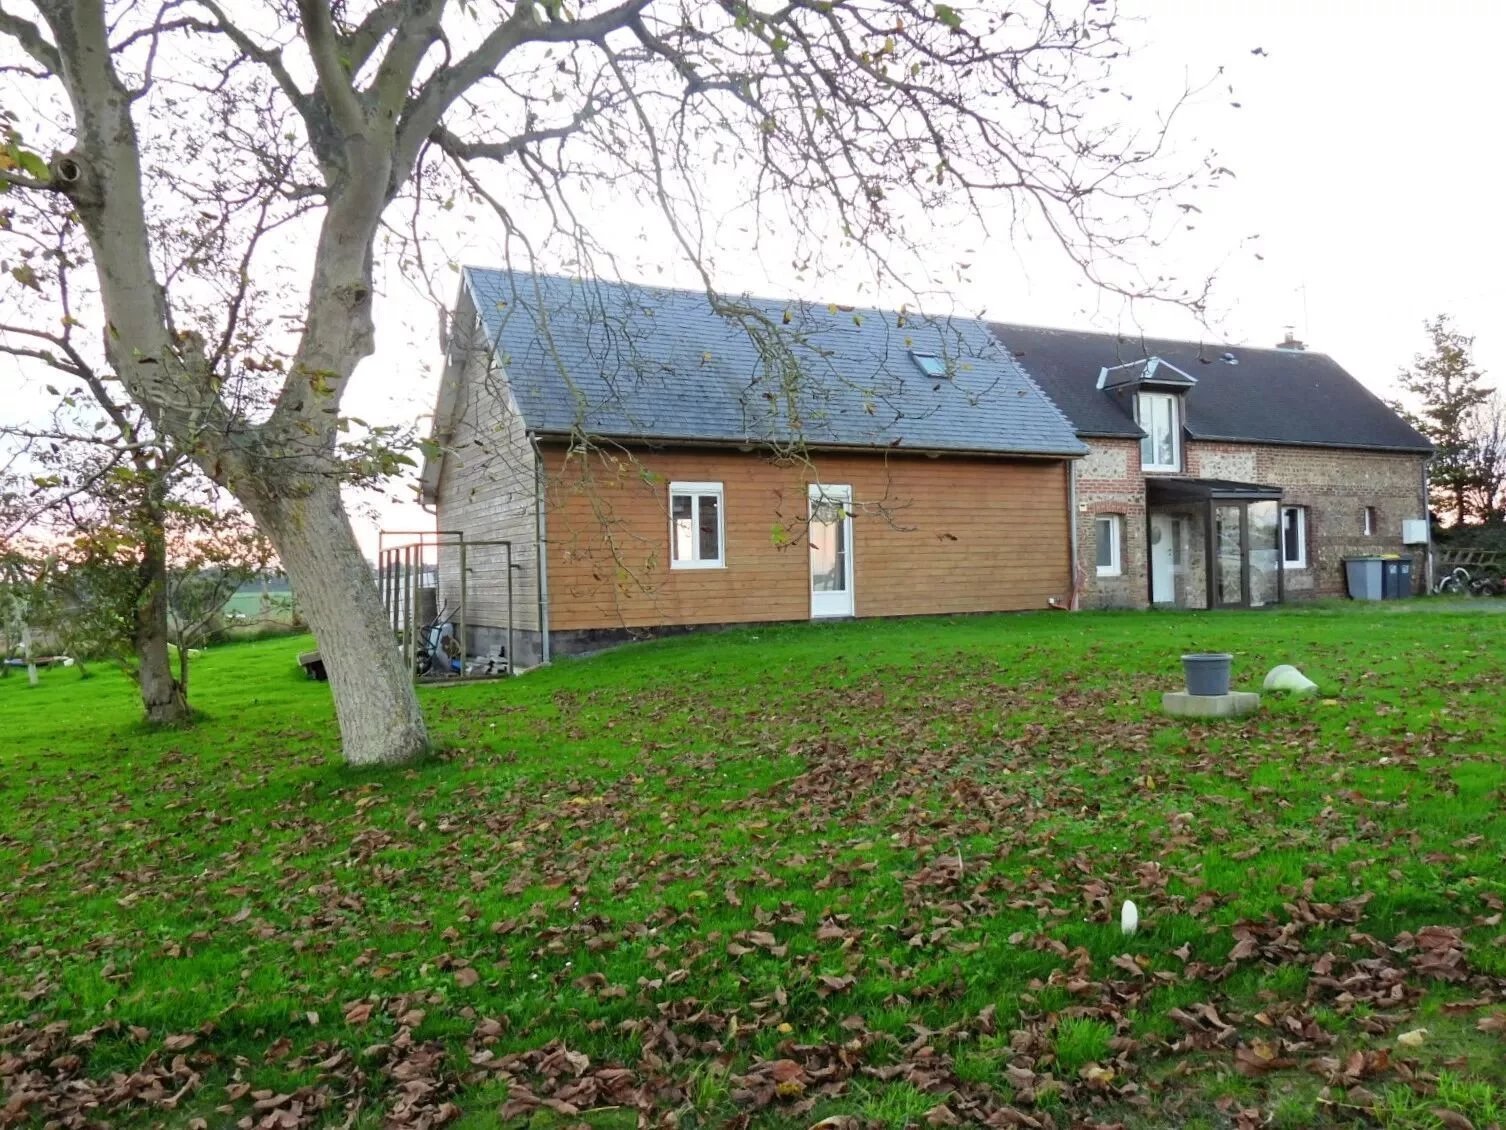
{"x": 1285, "y": 677}
{"x": 1129, "y": 918}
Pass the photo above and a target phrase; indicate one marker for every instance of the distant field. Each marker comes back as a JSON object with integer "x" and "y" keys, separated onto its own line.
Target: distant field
{"x": 276, "y": 608}
{"x": 857, "y": 875}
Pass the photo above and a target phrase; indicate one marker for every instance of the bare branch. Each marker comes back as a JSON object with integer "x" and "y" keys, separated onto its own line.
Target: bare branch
{"x": 21, "y": 180}
{"x": 30, "y": 37}
{"x": 423, "y": 113}
{"x": 334, "y": 83}
{"x": 373, "y": 28}
{"x": 418, "y": 31}
{"x": 500, "y": 151}
{"x": 273, "y": 61}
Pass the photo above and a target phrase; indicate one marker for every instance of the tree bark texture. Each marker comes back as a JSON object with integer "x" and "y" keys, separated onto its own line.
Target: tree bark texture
{"x": 162, "y": 696}
{"x": 377, "y": 708}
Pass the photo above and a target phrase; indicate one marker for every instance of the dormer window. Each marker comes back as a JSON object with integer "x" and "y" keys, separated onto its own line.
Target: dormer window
{"x": 1160, "y": 417}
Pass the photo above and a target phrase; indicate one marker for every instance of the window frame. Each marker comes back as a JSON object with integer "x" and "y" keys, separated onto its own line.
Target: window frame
{"x": 1175, "y": 402}
{"x": 1300, "y": 561}
{"x": 931, "y": 365}
{"x": 1115, "y": 568}
{"x": 1369, "y": 521}
{"x": 694, "y": 491}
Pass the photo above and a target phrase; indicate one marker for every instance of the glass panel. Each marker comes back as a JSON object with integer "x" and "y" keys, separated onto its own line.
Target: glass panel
{"x": 1291, "y": 533}
{"x": 1158, "y": 416}
{"x": 1105, "y": 543}
{"x": 1265, "y": 562}
{"x": 683, "y": 526}
{"x": 711, "y": 547}
{"x": 930, "y": 364}
{"x": 1166, "y": 455}
{"x": 828, "y": 538}
{"x": 1229, "y": 555}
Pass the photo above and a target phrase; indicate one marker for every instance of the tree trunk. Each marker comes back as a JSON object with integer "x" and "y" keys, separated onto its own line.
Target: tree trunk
{"x": 377, "y": 707}
{"x": 161, "y": 695}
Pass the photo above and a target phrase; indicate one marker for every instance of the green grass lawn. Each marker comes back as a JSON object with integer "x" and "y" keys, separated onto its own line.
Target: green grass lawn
{"x": 869, "y": 873}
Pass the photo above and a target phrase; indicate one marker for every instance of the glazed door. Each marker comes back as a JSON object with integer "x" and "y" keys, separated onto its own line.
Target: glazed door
{"x": 830, "y": 536}
{"x": 1229, "y": 554}
{"x": 1164, "y": 542}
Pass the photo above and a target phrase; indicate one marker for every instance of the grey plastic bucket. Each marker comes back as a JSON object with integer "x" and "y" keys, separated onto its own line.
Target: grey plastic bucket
{"x": 1207, "y": 672}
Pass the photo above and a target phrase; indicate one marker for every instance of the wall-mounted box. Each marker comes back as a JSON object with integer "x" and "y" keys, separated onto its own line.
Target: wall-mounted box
{"x": 1414, "y": 531}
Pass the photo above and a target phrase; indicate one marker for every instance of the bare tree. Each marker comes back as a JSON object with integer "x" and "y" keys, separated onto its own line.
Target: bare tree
{"x": 850, "y": 118}
{"x": 1486, "y": 430}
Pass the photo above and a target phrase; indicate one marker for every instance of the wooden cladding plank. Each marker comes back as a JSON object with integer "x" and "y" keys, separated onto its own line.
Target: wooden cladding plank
{"x": 929, "y": 535}
{"x": 486, "y": 491}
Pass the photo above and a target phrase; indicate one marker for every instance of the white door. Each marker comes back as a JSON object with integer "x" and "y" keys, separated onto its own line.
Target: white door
{"x": 830, "y": 536}
{"x": 1163, "y": 558}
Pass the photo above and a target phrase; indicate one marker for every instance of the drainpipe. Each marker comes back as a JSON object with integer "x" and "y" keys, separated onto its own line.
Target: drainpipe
{"x": 540, "y": 546}
{"x": 1074, "y": 598}
{"x": 1427, "y": 553}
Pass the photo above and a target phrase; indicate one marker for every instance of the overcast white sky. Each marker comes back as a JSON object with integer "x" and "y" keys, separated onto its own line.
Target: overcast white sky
{"x": 1367, "y": 160}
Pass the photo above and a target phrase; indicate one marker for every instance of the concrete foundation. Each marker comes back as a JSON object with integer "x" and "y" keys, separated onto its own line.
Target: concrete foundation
{"x": 487, "y": 641}
{"x": 1180, "y": 704}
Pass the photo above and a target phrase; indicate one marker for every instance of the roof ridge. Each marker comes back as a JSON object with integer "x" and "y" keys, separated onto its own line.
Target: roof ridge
{"x": 1158, "y": 339}
{"x": 688, "y": 292}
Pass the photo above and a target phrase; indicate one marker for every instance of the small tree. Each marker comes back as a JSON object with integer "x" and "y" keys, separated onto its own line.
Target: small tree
{"x": 214, "y": 550}
{"x": 99, "y": 475}
{"x": 114, "y": 544}
{"x": 18, "y": 573}
{"x": 1448, "y": 389}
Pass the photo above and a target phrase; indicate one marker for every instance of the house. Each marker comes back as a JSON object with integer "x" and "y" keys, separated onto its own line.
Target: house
{"x": 647, "y": 462}
{"x": 1222, "y": 475}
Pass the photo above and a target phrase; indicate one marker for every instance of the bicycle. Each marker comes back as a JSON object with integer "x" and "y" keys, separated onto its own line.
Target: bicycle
{"x": 437, "y": 651}
{"x": 1458, "y": 582}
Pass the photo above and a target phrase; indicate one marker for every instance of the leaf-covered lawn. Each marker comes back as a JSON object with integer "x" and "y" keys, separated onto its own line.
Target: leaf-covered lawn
{"x": 857, "y": 874}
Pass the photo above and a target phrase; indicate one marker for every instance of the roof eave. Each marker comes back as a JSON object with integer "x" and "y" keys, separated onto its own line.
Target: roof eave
{"x": 1390, "y": 449}
{"x": 744, "y": 444}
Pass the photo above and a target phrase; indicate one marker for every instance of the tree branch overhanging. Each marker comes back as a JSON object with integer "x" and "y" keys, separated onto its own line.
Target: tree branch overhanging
{"x": 28, "y": 36}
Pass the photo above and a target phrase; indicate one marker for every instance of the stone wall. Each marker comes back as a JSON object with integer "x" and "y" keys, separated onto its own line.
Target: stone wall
{"x": 1335, "y": 486}
{"x": 1109, "y": 481}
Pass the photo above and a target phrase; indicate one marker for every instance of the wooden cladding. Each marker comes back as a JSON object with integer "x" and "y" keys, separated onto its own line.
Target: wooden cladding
{"x": 951, "y": 534}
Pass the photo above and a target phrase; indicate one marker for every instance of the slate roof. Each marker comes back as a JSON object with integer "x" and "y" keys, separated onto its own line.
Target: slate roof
{"x": 647, "y": 363}
{"x": 1271, "y": 396}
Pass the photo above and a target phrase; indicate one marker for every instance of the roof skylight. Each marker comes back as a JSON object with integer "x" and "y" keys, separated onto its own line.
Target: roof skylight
{"x": 929, "y": 364}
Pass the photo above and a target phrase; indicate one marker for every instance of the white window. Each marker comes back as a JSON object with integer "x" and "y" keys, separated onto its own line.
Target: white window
{"x": 1160, "y": 419}
{"x": 695, "y": 525}
{"x": 1109, "y": 529}
{"x": 1370, "y": 521}
{"x": 1294, "y": 537}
